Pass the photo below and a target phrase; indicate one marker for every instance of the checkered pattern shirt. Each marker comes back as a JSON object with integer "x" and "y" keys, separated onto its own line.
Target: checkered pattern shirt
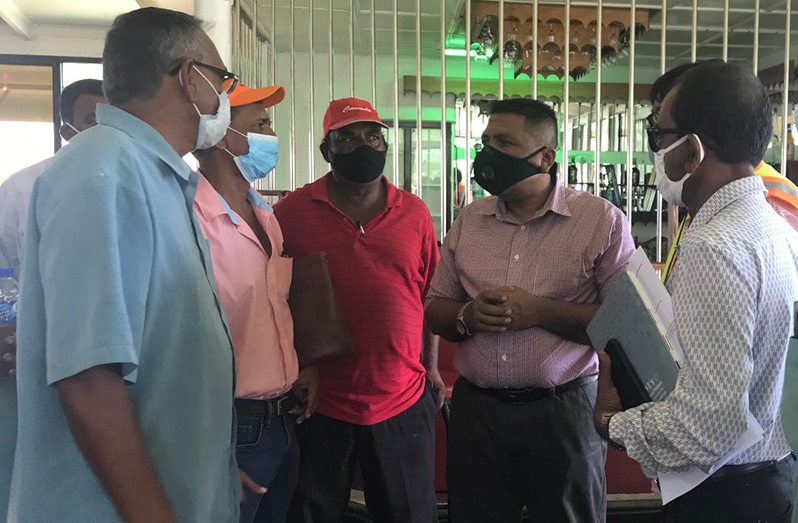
{"x": 733, "y": 290}
{"x": 572, "y": 250}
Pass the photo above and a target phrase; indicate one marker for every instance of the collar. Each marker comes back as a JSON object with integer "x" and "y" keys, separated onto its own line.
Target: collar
{"x": 557, "y": 203}
{"x": 211, "y": 204}
{"x": 319, "y": 191}
{"x": 727, "y": 195}
{"x": 143, "y": 134}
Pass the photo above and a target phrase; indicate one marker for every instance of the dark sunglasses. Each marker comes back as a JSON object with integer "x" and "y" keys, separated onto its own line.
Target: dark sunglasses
{"x": 655, "y": 135}
{"x": 229, "y": 80}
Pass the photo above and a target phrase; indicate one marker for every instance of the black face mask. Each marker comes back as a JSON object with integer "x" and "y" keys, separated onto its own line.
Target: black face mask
{"x": 363, "y": 165}
{"x": 496, "y": 171}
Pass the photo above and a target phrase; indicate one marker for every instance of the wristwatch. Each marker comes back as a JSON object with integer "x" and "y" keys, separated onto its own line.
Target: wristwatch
{"x": 460, "y": 323}
{"x": 605, "y": 430}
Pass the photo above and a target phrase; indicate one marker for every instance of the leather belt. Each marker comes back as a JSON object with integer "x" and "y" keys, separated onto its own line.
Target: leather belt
{"x": 733, "y": 471}
{"x": 271, "y": 408}
{"x": 530, "y": 394}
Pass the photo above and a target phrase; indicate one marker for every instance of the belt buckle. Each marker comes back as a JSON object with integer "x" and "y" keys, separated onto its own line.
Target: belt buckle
{"x": 279, "y": 404}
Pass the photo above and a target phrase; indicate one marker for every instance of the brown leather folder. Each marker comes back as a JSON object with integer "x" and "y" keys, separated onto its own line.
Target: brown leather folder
{"x": 320, "y": 331}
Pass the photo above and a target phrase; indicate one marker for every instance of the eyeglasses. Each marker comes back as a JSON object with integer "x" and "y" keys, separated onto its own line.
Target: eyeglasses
{"x": 655, "y": 133}
{"x": 229, "y": 80}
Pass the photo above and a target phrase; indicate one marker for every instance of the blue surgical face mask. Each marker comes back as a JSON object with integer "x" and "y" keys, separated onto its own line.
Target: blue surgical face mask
{"x": 212, "y": 127}
{"x": 261, "y": 158}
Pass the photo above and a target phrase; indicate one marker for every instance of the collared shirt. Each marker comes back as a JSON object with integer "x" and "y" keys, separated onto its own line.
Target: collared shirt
{"x": 253, "y": 290}
{"x": 117, "y": 272}
{"x": 733, "y": 288}
{"x": 572, "y": 250}
{"x": 380, "y": 275}
{"x": 14, "y": 197}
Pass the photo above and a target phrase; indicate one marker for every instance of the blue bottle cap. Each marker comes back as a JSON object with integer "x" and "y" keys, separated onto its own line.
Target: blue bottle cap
{"x": 6, "y": 273}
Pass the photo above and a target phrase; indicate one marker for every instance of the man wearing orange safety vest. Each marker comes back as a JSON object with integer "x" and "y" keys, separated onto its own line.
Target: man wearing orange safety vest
{"x": 782, "y": 193}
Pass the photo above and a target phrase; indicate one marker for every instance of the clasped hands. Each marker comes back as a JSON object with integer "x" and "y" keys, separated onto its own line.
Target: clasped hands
{"x": 503, "y": 309}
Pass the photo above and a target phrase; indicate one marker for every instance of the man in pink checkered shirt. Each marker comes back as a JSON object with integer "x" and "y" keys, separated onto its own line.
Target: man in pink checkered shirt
{"x": 521, "y": 275}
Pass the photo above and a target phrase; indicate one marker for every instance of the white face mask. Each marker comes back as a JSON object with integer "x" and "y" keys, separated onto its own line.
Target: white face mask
{"x": 672, "y": 190}
{"x": 212, "y": 127}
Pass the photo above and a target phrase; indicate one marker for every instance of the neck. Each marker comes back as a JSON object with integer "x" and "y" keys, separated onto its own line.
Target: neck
{"x": 159, "y": 112}
{"x": 528, "y": 204}
{"x": 219, "y": 168}
{"x": 702, "y": 185}
{"x": 349, "y": 190}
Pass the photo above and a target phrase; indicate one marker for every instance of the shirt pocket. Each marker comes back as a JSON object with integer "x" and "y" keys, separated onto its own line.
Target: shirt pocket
{"x": 281, "y": 269}
{"x": 560, "y": 275}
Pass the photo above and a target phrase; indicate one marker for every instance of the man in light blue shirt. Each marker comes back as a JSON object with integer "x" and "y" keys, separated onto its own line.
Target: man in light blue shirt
{"x": 125, "y": 365}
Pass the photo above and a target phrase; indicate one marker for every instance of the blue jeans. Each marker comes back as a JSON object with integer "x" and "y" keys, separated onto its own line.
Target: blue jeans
{"x": 267, "y": 451}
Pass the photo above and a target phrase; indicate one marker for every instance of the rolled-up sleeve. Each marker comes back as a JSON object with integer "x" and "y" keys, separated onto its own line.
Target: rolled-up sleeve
{"x": 715, "y": 307}
{"x": 446, "y": 282}
{"x": 95, "y": 259}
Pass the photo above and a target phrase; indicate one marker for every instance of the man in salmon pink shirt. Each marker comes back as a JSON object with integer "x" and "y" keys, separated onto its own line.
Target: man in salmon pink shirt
{"x": 253, "y": 276}
{"x": 376, "y": 409}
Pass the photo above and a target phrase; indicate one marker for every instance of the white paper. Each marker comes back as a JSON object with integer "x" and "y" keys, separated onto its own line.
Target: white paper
{"x": 658, "y": 299}
{"x": 675, "y": 484}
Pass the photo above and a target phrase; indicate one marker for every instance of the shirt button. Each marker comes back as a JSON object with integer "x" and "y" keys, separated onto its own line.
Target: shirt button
{"x": 523, "y": 227}
{"x": 504, "y": 357}
{"x": 515, "y": 257}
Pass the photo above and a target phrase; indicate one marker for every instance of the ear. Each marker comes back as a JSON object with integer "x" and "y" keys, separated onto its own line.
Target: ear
{"x": 547, "y": 159}
{"x": 66, "y": 132}
{"x": 325, "y": 150}
{"x": 189, "y": 80}
{"x": 696, "y": 154}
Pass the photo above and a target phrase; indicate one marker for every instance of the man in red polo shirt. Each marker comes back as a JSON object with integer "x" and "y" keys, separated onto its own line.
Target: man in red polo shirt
{"x": 375, "y": 409}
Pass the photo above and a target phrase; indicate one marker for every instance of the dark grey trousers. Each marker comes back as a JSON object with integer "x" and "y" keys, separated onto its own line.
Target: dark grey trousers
{"x": 545, "y": 455}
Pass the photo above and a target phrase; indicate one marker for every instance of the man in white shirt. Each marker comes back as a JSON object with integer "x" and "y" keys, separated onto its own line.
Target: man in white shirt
{"x": 733, "y": 286}
{"x": 78, "y": 105}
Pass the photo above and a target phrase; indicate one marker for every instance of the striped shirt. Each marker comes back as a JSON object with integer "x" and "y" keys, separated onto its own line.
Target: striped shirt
{"x": 572, "y": 250}
{"x": 733, "y": 287}
{"x": 380, "y": 275}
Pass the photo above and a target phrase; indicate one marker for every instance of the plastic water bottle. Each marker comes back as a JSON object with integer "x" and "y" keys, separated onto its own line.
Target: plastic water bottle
{"x": 8, "y": 303}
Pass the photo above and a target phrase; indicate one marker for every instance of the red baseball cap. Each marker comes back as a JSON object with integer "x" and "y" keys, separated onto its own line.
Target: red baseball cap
{"x": 345, "y": 111}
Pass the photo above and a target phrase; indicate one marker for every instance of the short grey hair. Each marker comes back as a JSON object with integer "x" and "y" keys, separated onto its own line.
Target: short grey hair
{"x": 142, "y": 47}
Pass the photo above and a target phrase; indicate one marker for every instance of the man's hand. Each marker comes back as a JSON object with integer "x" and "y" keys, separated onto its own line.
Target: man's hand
{"x": 438, "y": 386}
{"x": 524, "y": 306}
{"x": 488, "y": 312}
{"x": 607, "y": 400}
{"x": 8, "y": 356}
{"x": 307, "y": 388}
{"x": 248, "y": 485}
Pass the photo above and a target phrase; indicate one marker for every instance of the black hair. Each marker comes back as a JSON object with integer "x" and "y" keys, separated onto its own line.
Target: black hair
{"x": 142, "y": 47}
{"x": 72, "y": 92}
{"x": 663, "y": 85}
{"x": 727, "y": 107}
{"x": 536, "y": 114}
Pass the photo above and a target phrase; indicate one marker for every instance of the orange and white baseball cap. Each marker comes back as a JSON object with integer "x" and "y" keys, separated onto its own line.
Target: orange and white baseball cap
{"x": 269, "y": 96}
{"x": 345, "y": 111}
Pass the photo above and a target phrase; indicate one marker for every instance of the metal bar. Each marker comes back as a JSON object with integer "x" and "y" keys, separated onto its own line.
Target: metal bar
{"x": 373, "y": 54}
{"x": 566, "y": 92}
{"x": 693, "y": 33}
{"x": 662, "y": 66}
{"x": 396, "y": 93}
{"x": 599, "y": 106}
{"x": 292, "y": 73}
{"x": 756, "y": 37}
{"x": 272, "y": 180}
{"x": 725, "y": 30}
{"x": 785, "y": 101}
{"x": 500, "y": 49}
{"x": 630, "y": 113}
{"x": 444, "y": 148}
{"x": 238, "y": 36}
{"x": 467, "y": 174}
{"x": 535, "y": 54}
{"x": 419, "y": 122}
{"x": 352, "y": 48}
{"x": 331, "y": 64}
{"x": 255, "y": 77}
{"x": 312, "y": 97}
